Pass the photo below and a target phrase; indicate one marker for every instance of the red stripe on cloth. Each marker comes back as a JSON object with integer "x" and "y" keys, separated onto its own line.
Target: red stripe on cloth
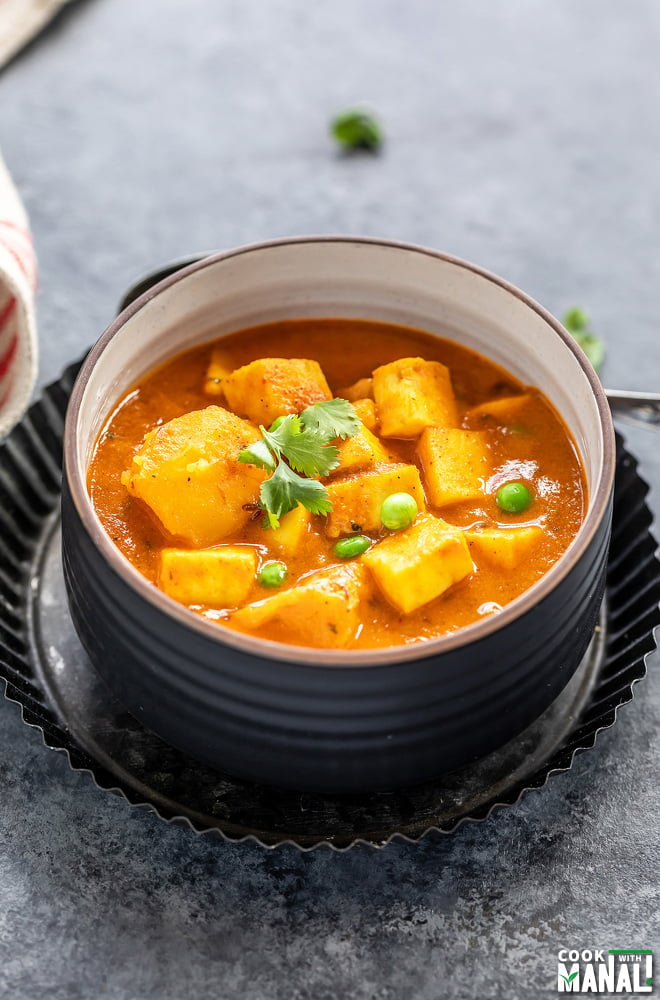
{"x": 7, "y": 311}
{"x": 8, "y": 356}
{"x": 20, "y": 230}
{"x": 29, "y": 272}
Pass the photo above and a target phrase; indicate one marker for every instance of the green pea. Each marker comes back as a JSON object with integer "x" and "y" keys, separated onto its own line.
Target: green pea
{"x": 514, "y": 498}
{"x": 348, "y": 548}
{"x": 399, "y": 510}
{"x": 272, "y": 574}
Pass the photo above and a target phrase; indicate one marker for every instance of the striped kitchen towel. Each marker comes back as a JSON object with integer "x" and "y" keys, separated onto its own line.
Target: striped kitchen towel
{"x": 18, "y": 279}
{"x": 21, "y": 20}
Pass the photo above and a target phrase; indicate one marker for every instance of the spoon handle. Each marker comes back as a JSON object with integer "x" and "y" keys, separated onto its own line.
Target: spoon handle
{"x": 642, "y": 407}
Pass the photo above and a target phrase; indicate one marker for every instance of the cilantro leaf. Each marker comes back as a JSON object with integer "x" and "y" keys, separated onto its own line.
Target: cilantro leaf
{"x": 258, "y": 454}
{"x": 278, "y": 439}
{"x": 286, "y": 489}
{"x": 310, "y": 454}
{"x": 578, "y": 325}
{"x": 576, "y": 320}
{"x": 356, "y": 129}
{"x": 304, "y": 448}
{"x": 332, "y": 418}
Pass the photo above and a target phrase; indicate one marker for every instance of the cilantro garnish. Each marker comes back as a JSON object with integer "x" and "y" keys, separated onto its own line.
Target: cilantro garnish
{"x": 297, "y": 449}
{"x": 357, "y": 129}
{"x": 578, "y": 325}
{"x": 334, "y": 418}
{"x": 286, "y": 489}
{"x": 258, "y": 454}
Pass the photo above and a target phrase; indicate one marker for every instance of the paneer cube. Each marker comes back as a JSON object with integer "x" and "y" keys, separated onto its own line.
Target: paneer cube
{"x": 357, "y": 499}
{"x": 322, "y": 611}
{"x": 187, "y": 471}
{"x": 504, "y": 548}
{"x": 366, "y": 411}
{"x": 362, "y": 389}
{"x": 362, "y": 451}
{"x": 415, "y": 566}
{"x": 412, "y": 394}
{"x": 455, "y": 464}
{"x": 217, "y": 578}
{"x": 220, "y": 366}
{"x": 505, "y": 410}
{"x": 272, "y": 387}
{"x": 289, "y": 537}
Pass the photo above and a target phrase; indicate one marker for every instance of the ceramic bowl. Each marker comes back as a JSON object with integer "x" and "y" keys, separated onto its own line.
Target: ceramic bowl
{"x": 327, "y": 720}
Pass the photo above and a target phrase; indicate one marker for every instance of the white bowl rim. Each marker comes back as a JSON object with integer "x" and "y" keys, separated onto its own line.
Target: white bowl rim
{"x": 314, "y": 656}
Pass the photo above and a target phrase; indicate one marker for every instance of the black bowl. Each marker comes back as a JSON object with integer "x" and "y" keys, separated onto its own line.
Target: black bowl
{"x": 325, "y": 720}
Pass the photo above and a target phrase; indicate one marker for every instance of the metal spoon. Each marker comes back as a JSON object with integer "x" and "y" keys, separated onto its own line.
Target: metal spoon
{"x": 638, "y": 407}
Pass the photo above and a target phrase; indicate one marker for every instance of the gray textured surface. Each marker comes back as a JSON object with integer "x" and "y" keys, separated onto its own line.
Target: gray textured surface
{"x": 523, "y": 136}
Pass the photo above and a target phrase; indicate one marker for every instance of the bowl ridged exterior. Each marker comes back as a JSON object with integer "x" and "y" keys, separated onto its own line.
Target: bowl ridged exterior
{"x": 328, "y": 729}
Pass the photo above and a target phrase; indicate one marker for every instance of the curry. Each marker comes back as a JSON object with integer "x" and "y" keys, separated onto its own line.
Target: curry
{"x": 337, "y": 483}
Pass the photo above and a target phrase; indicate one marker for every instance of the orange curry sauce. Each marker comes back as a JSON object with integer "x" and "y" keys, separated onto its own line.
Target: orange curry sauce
{"x": 532, "y": 446}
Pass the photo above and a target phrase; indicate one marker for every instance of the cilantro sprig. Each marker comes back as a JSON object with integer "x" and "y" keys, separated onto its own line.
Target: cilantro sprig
{"x": 296, "y": 450}
{"x": 578, "y": 325}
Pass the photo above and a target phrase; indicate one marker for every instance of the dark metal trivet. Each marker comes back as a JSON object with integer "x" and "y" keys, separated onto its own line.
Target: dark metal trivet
{"x": 48, "y": 674}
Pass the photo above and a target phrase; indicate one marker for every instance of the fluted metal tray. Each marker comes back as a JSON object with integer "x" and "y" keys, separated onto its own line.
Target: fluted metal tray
{"x": 49, "y": 676}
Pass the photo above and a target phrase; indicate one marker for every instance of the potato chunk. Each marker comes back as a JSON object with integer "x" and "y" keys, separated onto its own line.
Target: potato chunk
{"x": 366, "y": 411}
{"x": 362, "y": 389}
{"x": 505, "y": 410}
{"x": 322, "y": 611}
{"x": 187, "y": 471}
{"x": 358, "y": 499}
{"x": 361, "y": 451}
{"x": 289, "y": 537}
{"x": 455, "y": 464}
{"x": 218, "y": 578}
{"x": 220, "y": 366}
{"x": 505, "y": 548}
{"x": 272, "y": 387}
{"x": 415, "y": 566}
{"x": 412, "y": 394}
